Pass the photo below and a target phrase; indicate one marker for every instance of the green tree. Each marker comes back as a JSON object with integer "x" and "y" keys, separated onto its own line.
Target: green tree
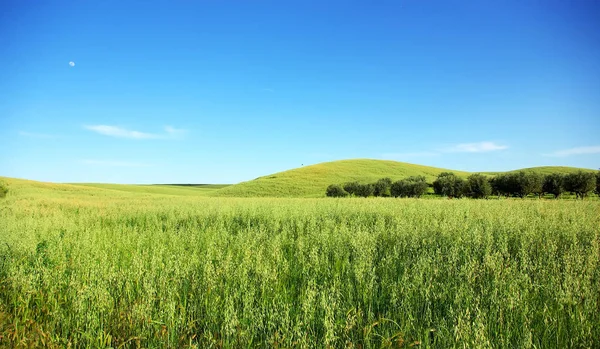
{"x": 554, "y": 184}
{"x": 365, "y": 190}
{"x": 336, "y": 191}
{"x": 400, "y": 188}
{"x": 478, "y": 186}
{"x": 502, "y": 185}
{"x": 581, "y": 183}
{"x": 351, "y": 188}
{"x": 448, "y": 184}
{"x": 524, "y": 183}
{"x": 598, "y": 183}
{"x": 383, "y": 187}
{"x": 535, "y": 182}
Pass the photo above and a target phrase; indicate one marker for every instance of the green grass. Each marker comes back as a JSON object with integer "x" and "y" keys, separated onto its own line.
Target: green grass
{"x": 164, "y": 189}
{"x": 86, "y": 267}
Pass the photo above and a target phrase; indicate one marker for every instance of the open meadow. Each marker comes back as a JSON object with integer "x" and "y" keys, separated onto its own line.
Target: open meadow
{"x": 92, "y": 267}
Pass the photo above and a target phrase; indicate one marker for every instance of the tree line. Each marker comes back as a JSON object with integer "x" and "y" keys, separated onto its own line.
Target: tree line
{"x": 477, "y": 186}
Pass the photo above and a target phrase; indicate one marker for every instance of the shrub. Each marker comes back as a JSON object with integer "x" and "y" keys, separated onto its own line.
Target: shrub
{"x": 598, "y": 183}
{"x": 478, "y": 186}
{"x": 365, "y": 190}
{"x": 399, "y": 188}
{"x": 581, "y": 183}
{"x": 3, "y": 189}
{"x": 501, "y": 185}
{"x": 336, "y": 191}
{"x": 535, "y": 181}
{"x": 448, "y": 184}
{"x": 554, "y": 184}
{"x": 524, "y": 183}
{"x": 383, "y": 187}
{"x": 414, "y": 186}
{"x": 351, "y": 188}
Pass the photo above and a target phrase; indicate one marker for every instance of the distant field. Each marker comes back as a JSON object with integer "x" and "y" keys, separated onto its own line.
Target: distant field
{"x": 165, "y": 189}
{"x": 95, "y": 267}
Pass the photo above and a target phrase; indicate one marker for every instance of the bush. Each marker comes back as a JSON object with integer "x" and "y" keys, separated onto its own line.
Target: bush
{"x": 581, "y": 183}
{"x": 598, "y": 183}
{"x": 336, "y": 191}
{"x": 365, "y": 190}
{"x": 3, "y": 189}
{"x": 351, "y": 188}
{"x": 478, "y": 186}
{"x": 524, "y": 183}
{"x": 501, "y": 185}
{"x": 383, "y": 187}
{"x": 399, "y": 189}
{"x": 448, "y": 184}
{"x": 414, "y": 186}
{"x": 554, "y": 184}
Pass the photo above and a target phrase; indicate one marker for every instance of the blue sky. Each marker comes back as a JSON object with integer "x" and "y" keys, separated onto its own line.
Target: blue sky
{"x": 223, "y": 91}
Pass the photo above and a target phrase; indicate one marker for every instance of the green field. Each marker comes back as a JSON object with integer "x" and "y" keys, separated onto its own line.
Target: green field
{"x": 85, "y": 266}
{"x": 164, "y": 189}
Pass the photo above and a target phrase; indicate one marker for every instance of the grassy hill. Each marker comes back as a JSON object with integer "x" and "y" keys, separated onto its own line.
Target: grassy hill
{"x": 307, "y": 181}
{"x": 311, "y": 181}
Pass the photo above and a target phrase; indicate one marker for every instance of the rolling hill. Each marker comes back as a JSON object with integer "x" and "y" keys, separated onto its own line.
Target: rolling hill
{"x": 311, "y": 181}
{"x": 307, "y": 181}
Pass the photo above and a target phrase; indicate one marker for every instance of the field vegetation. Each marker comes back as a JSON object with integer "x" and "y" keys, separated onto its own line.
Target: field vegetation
{"x": 88, "y": 267}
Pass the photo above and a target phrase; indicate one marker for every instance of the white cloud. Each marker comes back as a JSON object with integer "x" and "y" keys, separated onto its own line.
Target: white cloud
{"x": 418, "y": 154}
{"x": 36, "y": 135}
{"x": 576, "y": 151}
{"x": 480, "y": 147}
{"x": 119, "y": 132}
{"x": 174, "y": 132}
{"x": 114, "y": 163}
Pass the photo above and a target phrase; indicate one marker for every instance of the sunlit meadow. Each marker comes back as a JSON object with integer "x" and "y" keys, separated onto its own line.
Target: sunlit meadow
{"x": 94, "y": 268}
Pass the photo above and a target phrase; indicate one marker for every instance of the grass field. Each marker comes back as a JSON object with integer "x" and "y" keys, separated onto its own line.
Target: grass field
{"x": 311, "y": 181}
{"x": 164, "y": 189}
{"x": 91, "y": 267}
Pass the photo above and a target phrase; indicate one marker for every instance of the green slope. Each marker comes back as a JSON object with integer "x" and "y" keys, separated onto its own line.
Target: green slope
{"x": 311, "y": 181}
{"x": 164, "y": 189}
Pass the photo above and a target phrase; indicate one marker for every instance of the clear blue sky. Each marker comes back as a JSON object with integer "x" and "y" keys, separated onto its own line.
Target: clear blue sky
{"x": 223, "y": 91}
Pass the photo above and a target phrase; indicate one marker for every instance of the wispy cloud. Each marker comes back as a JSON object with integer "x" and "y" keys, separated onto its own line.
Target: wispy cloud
{"x": 119, "y": 132}
{"x": 111, "y": 163}
{"x": 480, "y": 147}
{"x": 576, "y": 151}
{"x": 173, "y": 132}
{"x": 36, "y": 135}
{"x": 418, "y": 154}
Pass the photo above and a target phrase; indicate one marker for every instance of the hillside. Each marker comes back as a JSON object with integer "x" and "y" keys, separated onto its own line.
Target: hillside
{"x": 307, "y": 181}
{"x": 544, "y": 170}
{"x": 164, "y": 189}
{"x": 311, "y": 181}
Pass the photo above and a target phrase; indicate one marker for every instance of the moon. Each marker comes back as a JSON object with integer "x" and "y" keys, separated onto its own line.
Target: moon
{"x": 72, "y": 64}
